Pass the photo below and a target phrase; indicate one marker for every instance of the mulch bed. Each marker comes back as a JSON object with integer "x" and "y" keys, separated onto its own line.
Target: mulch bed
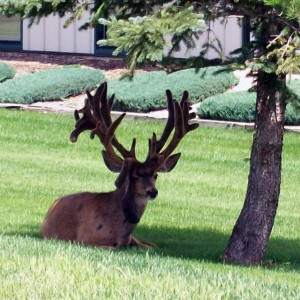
{"x": 23, "y": 59}
{"x": 25, "y": 62}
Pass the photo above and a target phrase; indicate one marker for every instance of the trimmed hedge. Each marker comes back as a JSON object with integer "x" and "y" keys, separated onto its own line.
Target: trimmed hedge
{"x": 292, "y": 113}
{"x": 240, "y": 107}
{"x": 50, "y": 84}
{"x": 146, "y": 91}
{"x": 6, "y": 71}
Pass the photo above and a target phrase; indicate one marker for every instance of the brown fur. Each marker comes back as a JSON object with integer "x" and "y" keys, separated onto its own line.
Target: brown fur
{"x": 98, "y": 219}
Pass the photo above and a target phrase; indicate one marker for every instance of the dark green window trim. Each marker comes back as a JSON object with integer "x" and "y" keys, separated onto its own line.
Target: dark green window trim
{"x": 245, "y": 31}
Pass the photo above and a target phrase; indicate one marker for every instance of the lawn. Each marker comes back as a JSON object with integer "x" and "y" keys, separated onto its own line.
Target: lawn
{"x": 190, "y": 221}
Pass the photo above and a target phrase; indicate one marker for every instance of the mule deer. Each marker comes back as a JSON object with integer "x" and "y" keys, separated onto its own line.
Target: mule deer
{"x": 108, "y": 219}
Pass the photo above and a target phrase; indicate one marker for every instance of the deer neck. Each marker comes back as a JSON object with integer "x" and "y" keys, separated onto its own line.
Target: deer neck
{"x": 133, "y": 206}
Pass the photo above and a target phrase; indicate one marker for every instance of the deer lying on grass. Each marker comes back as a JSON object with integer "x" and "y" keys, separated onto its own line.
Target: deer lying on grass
{"x": 108, "y": 219}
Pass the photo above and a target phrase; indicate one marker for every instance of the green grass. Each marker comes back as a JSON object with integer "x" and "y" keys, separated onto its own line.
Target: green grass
{"x": 190, "y": 222}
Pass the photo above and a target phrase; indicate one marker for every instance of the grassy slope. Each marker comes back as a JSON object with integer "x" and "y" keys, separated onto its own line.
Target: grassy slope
{"x": 190, "y": 221}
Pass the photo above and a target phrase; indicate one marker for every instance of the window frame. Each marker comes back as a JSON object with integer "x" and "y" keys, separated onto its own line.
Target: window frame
{"x": 105, "y": 50}
{"x": 13, "y": 45}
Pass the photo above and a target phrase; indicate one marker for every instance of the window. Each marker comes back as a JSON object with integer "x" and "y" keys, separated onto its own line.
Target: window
{"x": 10, "y": 33}
{"x": 100, "y": 34}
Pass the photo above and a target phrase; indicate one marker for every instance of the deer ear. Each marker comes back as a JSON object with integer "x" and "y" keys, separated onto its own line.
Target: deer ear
{"x": 124, "y": 172}
{"x": 170, "y": 163}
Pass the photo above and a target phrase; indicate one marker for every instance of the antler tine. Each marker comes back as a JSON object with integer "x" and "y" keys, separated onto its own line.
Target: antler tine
{"x": 152, "y": 147}
{"x": 112, "y": 160}
{"x": 132, "y": 148}
{"x": 87, "y": 122}
{"x": 185, "y": 98}
{"x": 111, "y": 101}
{"x": 185, "y": 105}
{"x": 170, "y": 122}
{"x": 182, "y": 116}
{"x": 109, "y": 153}
{"x": 105, "y": 107}
{"x": 178, "y": 133}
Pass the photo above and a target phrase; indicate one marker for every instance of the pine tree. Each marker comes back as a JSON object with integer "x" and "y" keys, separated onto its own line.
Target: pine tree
{"x": 144, "y": 38}
{"x": 138, "y": 27}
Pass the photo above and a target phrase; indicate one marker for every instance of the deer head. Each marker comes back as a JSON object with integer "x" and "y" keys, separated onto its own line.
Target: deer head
{"x": 137, "y": 178}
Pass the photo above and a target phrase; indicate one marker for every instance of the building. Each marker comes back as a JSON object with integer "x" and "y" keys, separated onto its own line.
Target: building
{"x": 49, "y": 35}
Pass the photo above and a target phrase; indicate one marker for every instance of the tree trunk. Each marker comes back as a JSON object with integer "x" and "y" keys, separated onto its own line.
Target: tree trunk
{"x": 252, "y": 230}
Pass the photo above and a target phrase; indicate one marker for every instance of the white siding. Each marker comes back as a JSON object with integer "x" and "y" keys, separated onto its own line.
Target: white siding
{"x": 67, "y": 37}
{"x": 50, "y": 35}
{"x": 33, "y": 37}
{"x": 228, "y": 34}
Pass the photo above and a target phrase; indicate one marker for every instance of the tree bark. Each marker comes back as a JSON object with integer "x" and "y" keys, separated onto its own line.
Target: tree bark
{"x": 252, "y": 230}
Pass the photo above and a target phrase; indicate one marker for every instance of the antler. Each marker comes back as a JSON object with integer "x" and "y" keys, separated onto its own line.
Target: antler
{"x": 97, "y": 118}
{"x": 178, "y": 120}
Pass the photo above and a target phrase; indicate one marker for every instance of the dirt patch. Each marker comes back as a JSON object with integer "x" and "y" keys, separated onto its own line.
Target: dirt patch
{"x": 25, "y": 62}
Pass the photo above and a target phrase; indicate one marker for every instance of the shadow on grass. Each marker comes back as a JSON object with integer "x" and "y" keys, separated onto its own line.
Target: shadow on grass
{"x": 209, "y": 245}
{"x": 187, "y": 243}
{"x": 193, "y": 243}
{"x": 25, "y": 230}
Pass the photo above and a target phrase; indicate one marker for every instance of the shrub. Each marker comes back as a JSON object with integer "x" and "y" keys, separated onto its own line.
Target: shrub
{"x": 146, "y": 91}
{"x": 240, "y": 107}
{"x": 50, "y": 84}
{"x": 6, "y": 71}
{"x": 292, "y": 113}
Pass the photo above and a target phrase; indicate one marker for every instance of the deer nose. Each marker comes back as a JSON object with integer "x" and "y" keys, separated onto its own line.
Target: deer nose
{"x": 152, "y": 193}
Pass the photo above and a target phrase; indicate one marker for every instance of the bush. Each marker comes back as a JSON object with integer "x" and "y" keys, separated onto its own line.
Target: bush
{"x": 292, "y": 114}
{"x": 146, "y": 91}
{"x": 6, "y": 71}
{"x": 51, "y": 84}
{"x": 240, "y": 107}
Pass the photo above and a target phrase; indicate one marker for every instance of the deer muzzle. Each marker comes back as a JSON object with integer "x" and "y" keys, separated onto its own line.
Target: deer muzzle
{"x": 152, "y": 193}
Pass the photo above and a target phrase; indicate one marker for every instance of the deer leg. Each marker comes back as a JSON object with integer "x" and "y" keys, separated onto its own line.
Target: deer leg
{"x": 136, "y": 243}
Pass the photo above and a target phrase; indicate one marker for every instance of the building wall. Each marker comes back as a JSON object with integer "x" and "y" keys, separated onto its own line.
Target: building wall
{"x": 225, "y": 36}
{"x": 50, "y": 35}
